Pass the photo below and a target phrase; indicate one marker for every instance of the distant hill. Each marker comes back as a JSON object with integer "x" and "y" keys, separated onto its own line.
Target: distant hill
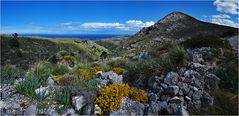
{"x": 28, "y": 50}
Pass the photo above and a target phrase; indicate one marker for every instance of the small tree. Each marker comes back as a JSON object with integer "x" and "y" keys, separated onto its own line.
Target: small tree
{"x": 15, "y": 35}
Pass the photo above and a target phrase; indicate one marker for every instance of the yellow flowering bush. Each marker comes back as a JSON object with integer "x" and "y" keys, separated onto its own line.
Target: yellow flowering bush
{"x": 110, "y": 97}
{"x": 138, "y": 95}
{"x": 85, "y": 73}
{"x": 95, "y": 68}
{"x": 118, "y": 70}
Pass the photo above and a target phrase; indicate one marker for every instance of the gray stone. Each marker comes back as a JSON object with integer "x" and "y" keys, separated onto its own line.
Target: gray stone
{"x": 172, "y": 90}
{"x": 50, "y": 81}
{"x": 153, "y": 97}
{"x": 153, "y": 108}
{"x": 88, "y": 109}
{"x": 197, "y": 95}
{"x": 164, "y": 85}
{"x": 171, "y": 108}
{"x": 31, "y": 110}
{"x": 162, "y": 105}
{"x": 171, "y": 78}
{"x": 181, "y": 111}
{"x": 176, "y": 100}
{"x": 212, "y": 81}
{"x": 42, "y": 91}
{"x": 153, "y": 81}
{"x": 78, "y": 102}
{"x": 111, "y": 77}
{"x": 129, "y": 107}
{"x": 70, "y": 112}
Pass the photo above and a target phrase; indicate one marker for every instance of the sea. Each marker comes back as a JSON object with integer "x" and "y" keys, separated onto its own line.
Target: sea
{"x": 81, "y": 36}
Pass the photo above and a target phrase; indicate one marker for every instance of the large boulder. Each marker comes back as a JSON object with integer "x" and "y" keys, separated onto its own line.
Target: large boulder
{"x": 171, "y": 78}
{"x": 172, "y": 90}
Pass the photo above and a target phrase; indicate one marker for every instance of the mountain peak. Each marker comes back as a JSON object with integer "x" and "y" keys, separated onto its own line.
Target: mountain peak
{"x": 175, "y": 16}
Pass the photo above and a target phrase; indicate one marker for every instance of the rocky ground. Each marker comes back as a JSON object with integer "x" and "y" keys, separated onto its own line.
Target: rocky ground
{"x": 173, "y": 93}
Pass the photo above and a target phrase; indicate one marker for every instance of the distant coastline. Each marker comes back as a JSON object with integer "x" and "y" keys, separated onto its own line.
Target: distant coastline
{"x": 81, "y": 36}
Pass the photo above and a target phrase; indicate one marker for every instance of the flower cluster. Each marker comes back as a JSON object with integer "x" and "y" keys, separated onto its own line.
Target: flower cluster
{"x": 138, "y": 95}
{"x": 110, "y": 97}
{"x": 118, "y": 70}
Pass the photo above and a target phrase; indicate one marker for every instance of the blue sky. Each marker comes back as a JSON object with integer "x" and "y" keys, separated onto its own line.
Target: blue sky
{"x": 125, "y": 17}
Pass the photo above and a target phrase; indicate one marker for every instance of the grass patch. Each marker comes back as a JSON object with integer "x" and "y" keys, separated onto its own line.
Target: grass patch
{"x": 38, "y": 76}
{"x": 9, "y": 74}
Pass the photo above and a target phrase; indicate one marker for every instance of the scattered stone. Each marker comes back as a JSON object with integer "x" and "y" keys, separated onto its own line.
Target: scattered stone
{"x": 171, "y": 78}
{"x": 78, "y": 102}
{"x": 31, "y": 110}
{"x": 172, "y": 90}
{"x": 50, "y": 81}
{"x": 42, "y": 91}
{"x": 176, "y": 100}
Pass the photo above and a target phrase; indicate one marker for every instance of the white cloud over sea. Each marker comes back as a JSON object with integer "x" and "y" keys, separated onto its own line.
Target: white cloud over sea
{"x": 85, "y": 27}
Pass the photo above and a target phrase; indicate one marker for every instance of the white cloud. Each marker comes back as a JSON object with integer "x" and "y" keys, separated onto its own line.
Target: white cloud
{"x": 227, "y": 6}
{"x": 129, "y": 26}
{"x": 95, "y": 25}
{"x": 150, "y": 23}
{"x": 223, "y": 19}
{"x": 221, "y": 16}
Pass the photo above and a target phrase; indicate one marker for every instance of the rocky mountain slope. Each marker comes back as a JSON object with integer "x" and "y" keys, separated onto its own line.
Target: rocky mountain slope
{"x": 175, "y": 26}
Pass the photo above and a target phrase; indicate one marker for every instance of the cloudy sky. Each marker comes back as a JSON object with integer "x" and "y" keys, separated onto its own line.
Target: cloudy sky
{"x": 62, "y": 17}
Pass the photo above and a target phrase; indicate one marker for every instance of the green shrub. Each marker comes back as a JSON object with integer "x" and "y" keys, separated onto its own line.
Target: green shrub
{"x": 178, "y": 55}
{"x": 70, "y": 59}
{"x": 61, "y": 54}
{"x": 9, "y": 74}
{"x": 139, "y": 72}
{"x": 227, "y": 71}
{"x": 206, "y": 41}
